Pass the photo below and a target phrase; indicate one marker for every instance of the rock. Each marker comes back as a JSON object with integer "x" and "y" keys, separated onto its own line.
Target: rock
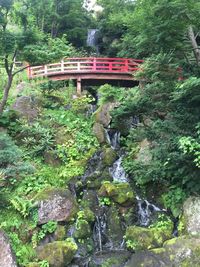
{"x": 34, "y": 264}
{"x": 179, "y": 252}
{"x": 191, "y": 215}
{"x": 144, "y": 155}
{"x": 60, "y": 233}
{"x": 7, "y": 258}
{"x": 121, "y": 193}
{"x": 58, "y": 253}
{"x": 21, "y": 87}
{"x": 109, "y": 156}
{"x": 99, "y": 132}
{"x": 110, "y": 259}
{"x": 115, "y": 231}
{"x": 90, "y": 200}
{"x": 82, "y": 230}
{"x": 140, "y": 238}
{"x": 102, "y": 115}
{"x": 55, "y": 205}
{"x": 27, "y": 107}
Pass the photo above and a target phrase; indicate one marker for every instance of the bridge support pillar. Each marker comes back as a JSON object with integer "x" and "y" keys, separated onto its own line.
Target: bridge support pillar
{"x": 78, "y": 86}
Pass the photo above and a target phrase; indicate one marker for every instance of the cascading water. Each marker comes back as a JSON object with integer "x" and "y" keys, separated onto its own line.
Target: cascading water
{"x": 145, "y": 211}
{"x": 113, "y": 138}
{"x": 92, "y": 39}
{"x": 117, "y": 172}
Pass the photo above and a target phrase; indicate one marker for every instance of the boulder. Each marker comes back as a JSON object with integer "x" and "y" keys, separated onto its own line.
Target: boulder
{"x": 99, "y": 132}
{"x": 27, "y": 107}
{"x": 139, "y": 238}
{"x": 102, "y": 115}
{"x": 110, "y": 259}
{"x": 58, "y": 253}
{"x": 120, "y": 193}
{"x": 179, "y": 252}
{"x": 191, "y": 215}
{"x": 55, "y": 205}
{"x": 7, "y": 258}
{"x": 109, "y": 156}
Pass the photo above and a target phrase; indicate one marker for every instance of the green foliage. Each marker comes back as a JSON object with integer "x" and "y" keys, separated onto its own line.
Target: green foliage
{"x": 109, "y": 93}
{"x": 47, "y": 228}
{"x": 104, "y": 201}
{"x": 23, "y": 206}
{"x": 174, "y": 200}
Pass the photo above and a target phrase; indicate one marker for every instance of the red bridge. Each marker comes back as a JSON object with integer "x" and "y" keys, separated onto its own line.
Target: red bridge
{"x": 90, "y": 71}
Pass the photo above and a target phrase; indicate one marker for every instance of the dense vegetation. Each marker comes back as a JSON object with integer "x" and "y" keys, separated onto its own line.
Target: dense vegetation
{"x": 53, "y": 148}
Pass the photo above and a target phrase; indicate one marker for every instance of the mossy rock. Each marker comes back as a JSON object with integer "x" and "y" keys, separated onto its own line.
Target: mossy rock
{"x": 60, "y": 233}
{"x": 139, "y": 238}
{"x": 90, "y": 201}
{"x": 102, "y": 114}
{"x": 99, "y": 132}
{"x": 120, "y": 193}
{"x": 86, "y": 214}
{"x": 109, "y": 156}
{"x": 58, "y": 253}
{"x": 82, "y": 230}
{"x": 34, "y": 264}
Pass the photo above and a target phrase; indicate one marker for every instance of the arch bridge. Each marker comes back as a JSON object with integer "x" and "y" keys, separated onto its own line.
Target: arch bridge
{"x": 90, "y": 71}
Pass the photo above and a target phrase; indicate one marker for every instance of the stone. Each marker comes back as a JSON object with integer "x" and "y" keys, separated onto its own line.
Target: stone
{"x": 34, "y": 264}
{"x": 55, "y": 204}
{"x": 82, "y": 230}
{"x": 26, "y": 107}
{"x": 99, "y": 132}
{"x": 109, "y": 156}
{"x": 144, "y": 155}
{"x": 191, "y": 215}
{"x": 90, "y": 200}
{"x": 60, "y": 233}
{"x": 115, "y": 231}
{"x": 102, "y": 115}
{"x": 7, "y": 258}
{"x": 120, "y": 193}
{"x": 58, "y": 253}
{"x": 180, "y": 252}
{"x": 140, "y": 238}
{"x": 110, "y": 259}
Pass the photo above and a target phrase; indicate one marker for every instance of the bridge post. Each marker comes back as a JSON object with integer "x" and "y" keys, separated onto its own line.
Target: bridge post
{"x": 78, "y": 86}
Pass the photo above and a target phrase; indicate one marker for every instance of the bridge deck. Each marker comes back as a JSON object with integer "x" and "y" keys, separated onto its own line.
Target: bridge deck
{"x": 91, "y": 70}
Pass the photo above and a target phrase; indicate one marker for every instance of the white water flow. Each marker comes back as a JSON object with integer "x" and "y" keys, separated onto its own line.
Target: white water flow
{"x": 113, "y": 139}
{"x": 92, "y": 37}
{"x": 118, "y": 173}
{"x": 145, "y": 210}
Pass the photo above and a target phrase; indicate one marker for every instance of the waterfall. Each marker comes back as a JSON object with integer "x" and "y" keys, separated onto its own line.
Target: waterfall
{"x": 92, "y": 39}
{"x": 99, "y": 231}
{"x": 113, "y": 138}
{"x": 145, "y": 210}
{"x": 117, "y": 171}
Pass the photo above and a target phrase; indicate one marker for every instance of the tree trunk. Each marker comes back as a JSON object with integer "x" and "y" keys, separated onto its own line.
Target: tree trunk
{"x": 5, "y": 94}
{"x": 194, "y": 44}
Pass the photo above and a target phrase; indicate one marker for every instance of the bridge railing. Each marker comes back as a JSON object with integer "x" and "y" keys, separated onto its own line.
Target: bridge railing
{"x": 86, "y": 65}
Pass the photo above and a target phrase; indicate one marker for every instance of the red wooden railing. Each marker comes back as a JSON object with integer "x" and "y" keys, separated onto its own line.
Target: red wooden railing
{"x": 86, "y": 65}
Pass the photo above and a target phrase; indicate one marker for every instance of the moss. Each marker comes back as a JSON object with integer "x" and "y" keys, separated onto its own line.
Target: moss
{"x": 60, "y": 233}
{"x": 109, "y": 156}
{"x": 121, "y": 193}
{"x": 83, "y": 229}
{"x": 58, "y": 253}
{"x": 146, "y": 238}
{"x": 86, "y": 214}
{"x": 34, "y": 264}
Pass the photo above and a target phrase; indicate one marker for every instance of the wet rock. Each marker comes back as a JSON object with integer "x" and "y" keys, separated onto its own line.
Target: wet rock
{"x": 56, "y": 205}
{"x": 109, "y": 156}
{"x": 82, "y": 230}
{"x": 33, "y": 264}
{"x": 60, "y": 233}
{"x": 139, "y": 238}
{"x": 7, "y": 258}
{"x": 27, "y": 107}
{"x": 99, "y": 132}
{"x": 102, "y": 115}
{"x": 115, "y": 231}
{"x": 191, "y": 215}
{"x": 90, "y": 200}
{"x": 120, "y": 193}
{"x": 179, "y": 252}
{"x": 110, "y": 259}
{"x": 58, "y": 253}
